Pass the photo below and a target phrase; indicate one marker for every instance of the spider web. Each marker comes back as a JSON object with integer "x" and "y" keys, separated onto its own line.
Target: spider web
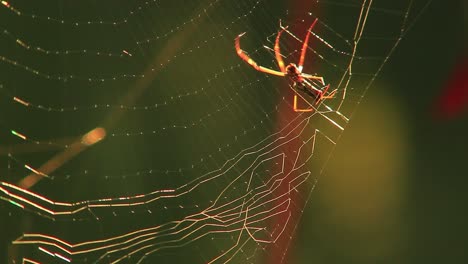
{"x": 136, "y": 134}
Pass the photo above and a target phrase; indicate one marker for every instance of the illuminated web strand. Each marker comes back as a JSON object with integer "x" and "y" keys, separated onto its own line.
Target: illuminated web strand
{"x": 30, "y": 261}
{"x": 124, "y": 21}
{"x": 174, "y": 126}
{"x": 316, "y": 54}
{"x": 323, "y": 113}
{"x": 261, "y": 215}
{"x": 357, "y": 39}
{"x": 25, "y": 45}
{"x": 304, "y": 143}
{"x": 170, "y": 100}
{"x": 126, "y": 201}
{"x": 122, "y": 76}
{"x": 25, "y": 103}
{"x": 253, "y": 219}
{"x": 125, "y": 76}
{"x": 173, "y": 99}
{"x": 119, "y": 22}
{"x": 65, "y": 143}
{"x": 193, "y": 20}
{"x": 344, "y": 82}
{"x": 133, "y": 238}
{"x": 200, "y": 162}
{"x": 349, "y": 53}
{"x": 182, "y": 170}
{"x": 387, "y": 10}
{"x": 197, "y": 123}
{"x": 252, "y": 216}
{"x": 29, "y": 167}
{"x": 194, "y": 124}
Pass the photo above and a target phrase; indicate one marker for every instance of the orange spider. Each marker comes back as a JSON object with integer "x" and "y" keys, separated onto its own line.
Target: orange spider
{"x": 293, "y": 71}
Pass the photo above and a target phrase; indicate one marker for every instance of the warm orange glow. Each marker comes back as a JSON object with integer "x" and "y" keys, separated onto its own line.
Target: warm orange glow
{"x": 18, "y": 134}
{"x": 90, "y": 138}
{"x": 300, "y": 110}
{"x": 21, "y": 101}
{"x": 93, "y": 136}
{"x": 126, "y": 52}
{"x": 5, "y": 3}
{"x": 26, "y": 260}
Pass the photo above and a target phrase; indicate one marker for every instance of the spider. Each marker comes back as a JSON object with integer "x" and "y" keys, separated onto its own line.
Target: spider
{"x": 294, "y": 72}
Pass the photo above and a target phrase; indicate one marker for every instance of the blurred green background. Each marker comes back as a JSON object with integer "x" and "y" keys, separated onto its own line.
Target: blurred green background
{"x": 395, "y": 190}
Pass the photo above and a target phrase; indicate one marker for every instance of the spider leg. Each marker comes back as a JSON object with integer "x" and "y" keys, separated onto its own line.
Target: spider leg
{"x": 330, "y": 95}
{"x": 279, "y": 59}
{"x": 296, "y": 109}
{"x": 324, "y": 96}
{"x": 312, "y": 77}
{"x": 304, "y": 46}
{"x": 252, "y": 63}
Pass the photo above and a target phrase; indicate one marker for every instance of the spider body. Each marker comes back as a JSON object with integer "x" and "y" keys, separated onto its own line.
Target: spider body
{"x": 301, "y": 81}
{"x": 293, "y": 73}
